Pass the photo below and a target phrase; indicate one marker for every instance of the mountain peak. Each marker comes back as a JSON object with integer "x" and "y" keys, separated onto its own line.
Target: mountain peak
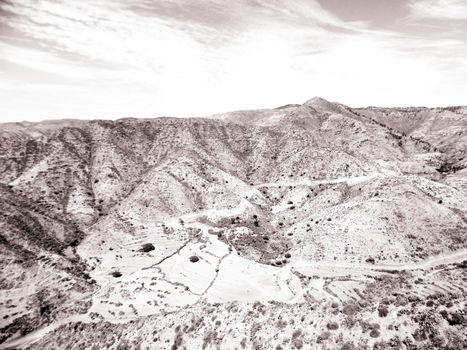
{"x": 318, "y": 101}
{"x": 322, "y": 105}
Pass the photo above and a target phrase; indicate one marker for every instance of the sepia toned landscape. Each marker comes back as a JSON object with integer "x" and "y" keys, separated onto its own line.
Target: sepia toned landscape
{"x": 169, "y": 182}
{"x": 307, "y": 226}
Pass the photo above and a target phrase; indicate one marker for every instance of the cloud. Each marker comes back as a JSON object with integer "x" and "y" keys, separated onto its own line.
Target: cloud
{"x": 147, "y": 58}
{"x": 439, "y": 9}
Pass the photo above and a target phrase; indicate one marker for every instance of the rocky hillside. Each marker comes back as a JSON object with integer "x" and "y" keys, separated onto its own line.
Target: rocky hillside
{"x": 156, "y": 214}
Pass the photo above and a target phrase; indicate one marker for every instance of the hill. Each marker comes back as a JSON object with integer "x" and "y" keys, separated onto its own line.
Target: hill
{"x": 111, "y": 224}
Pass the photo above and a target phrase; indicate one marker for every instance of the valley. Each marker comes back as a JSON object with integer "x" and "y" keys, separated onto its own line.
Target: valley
{"x": 313, "y": 226}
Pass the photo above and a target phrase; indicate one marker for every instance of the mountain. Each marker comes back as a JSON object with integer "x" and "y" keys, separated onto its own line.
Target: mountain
{"x": 168, "y": 232}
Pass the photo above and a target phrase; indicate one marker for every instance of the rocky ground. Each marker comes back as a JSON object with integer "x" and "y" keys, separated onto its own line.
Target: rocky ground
{"x": 313, "y": 226}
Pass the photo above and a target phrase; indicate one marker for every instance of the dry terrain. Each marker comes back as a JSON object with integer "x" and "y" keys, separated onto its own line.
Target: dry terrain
{"x": 313, "y": 226}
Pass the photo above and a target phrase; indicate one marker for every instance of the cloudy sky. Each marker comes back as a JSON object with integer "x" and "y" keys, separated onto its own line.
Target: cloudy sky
{"x": 143, "y": 58}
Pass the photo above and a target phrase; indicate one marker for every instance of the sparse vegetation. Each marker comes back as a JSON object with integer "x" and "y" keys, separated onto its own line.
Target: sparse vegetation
{"x": 308, "y": 220}
{"x": 147, "y": 247}
{"x": 194, "y": 258}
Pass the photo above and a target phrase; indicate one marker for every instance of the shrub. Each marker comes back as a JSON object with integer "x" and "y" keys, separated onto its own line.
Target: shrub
{"x": 350, "y": 309}
{"x": 194, "y": 259}
{"x": 382, "y": 311}
{"x": 146, "y": 248}
{"x": 44, "y": 309}
{"x": 298, "y": 343}
{"x": 116, "y": 274}
{"x": 323, "y": 336}
{"x": 455, "y": 318}
{"x": 347, "y": 346}
{"x": 374, "y": 333}
{"x": 332, "y": 326}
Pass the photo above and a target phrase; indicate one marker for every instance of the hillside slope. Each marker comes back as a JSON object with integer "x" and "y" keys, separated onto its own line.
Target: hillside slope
{"x": 114, "y": 221}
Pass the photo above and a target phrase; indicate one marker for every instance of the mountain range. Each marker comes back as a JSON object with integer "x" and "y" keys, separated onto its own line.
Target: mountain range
{"x": 112, "y": 229}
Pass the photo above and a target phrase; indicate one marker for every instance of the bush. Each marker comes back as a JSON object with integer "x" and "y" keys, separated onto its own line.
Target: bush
{"x": 350, "y": 309}
{"x": 298, "y": 343}
{"x": 348, "y": 346}
{"x": 116, "y": 274}
{"x": 332, "y": 326}
{"x": 455, "y": 318}
{"x": 382, "y": 311}
{"x": 146, "y": 248}
{"x": 194, "y": 259}
{"x": 323, "y": 336}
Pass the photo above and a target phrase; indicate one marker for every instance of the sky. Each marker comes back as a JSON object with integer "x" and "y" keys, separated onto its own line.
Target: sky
{"x": 111, "y": 59}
